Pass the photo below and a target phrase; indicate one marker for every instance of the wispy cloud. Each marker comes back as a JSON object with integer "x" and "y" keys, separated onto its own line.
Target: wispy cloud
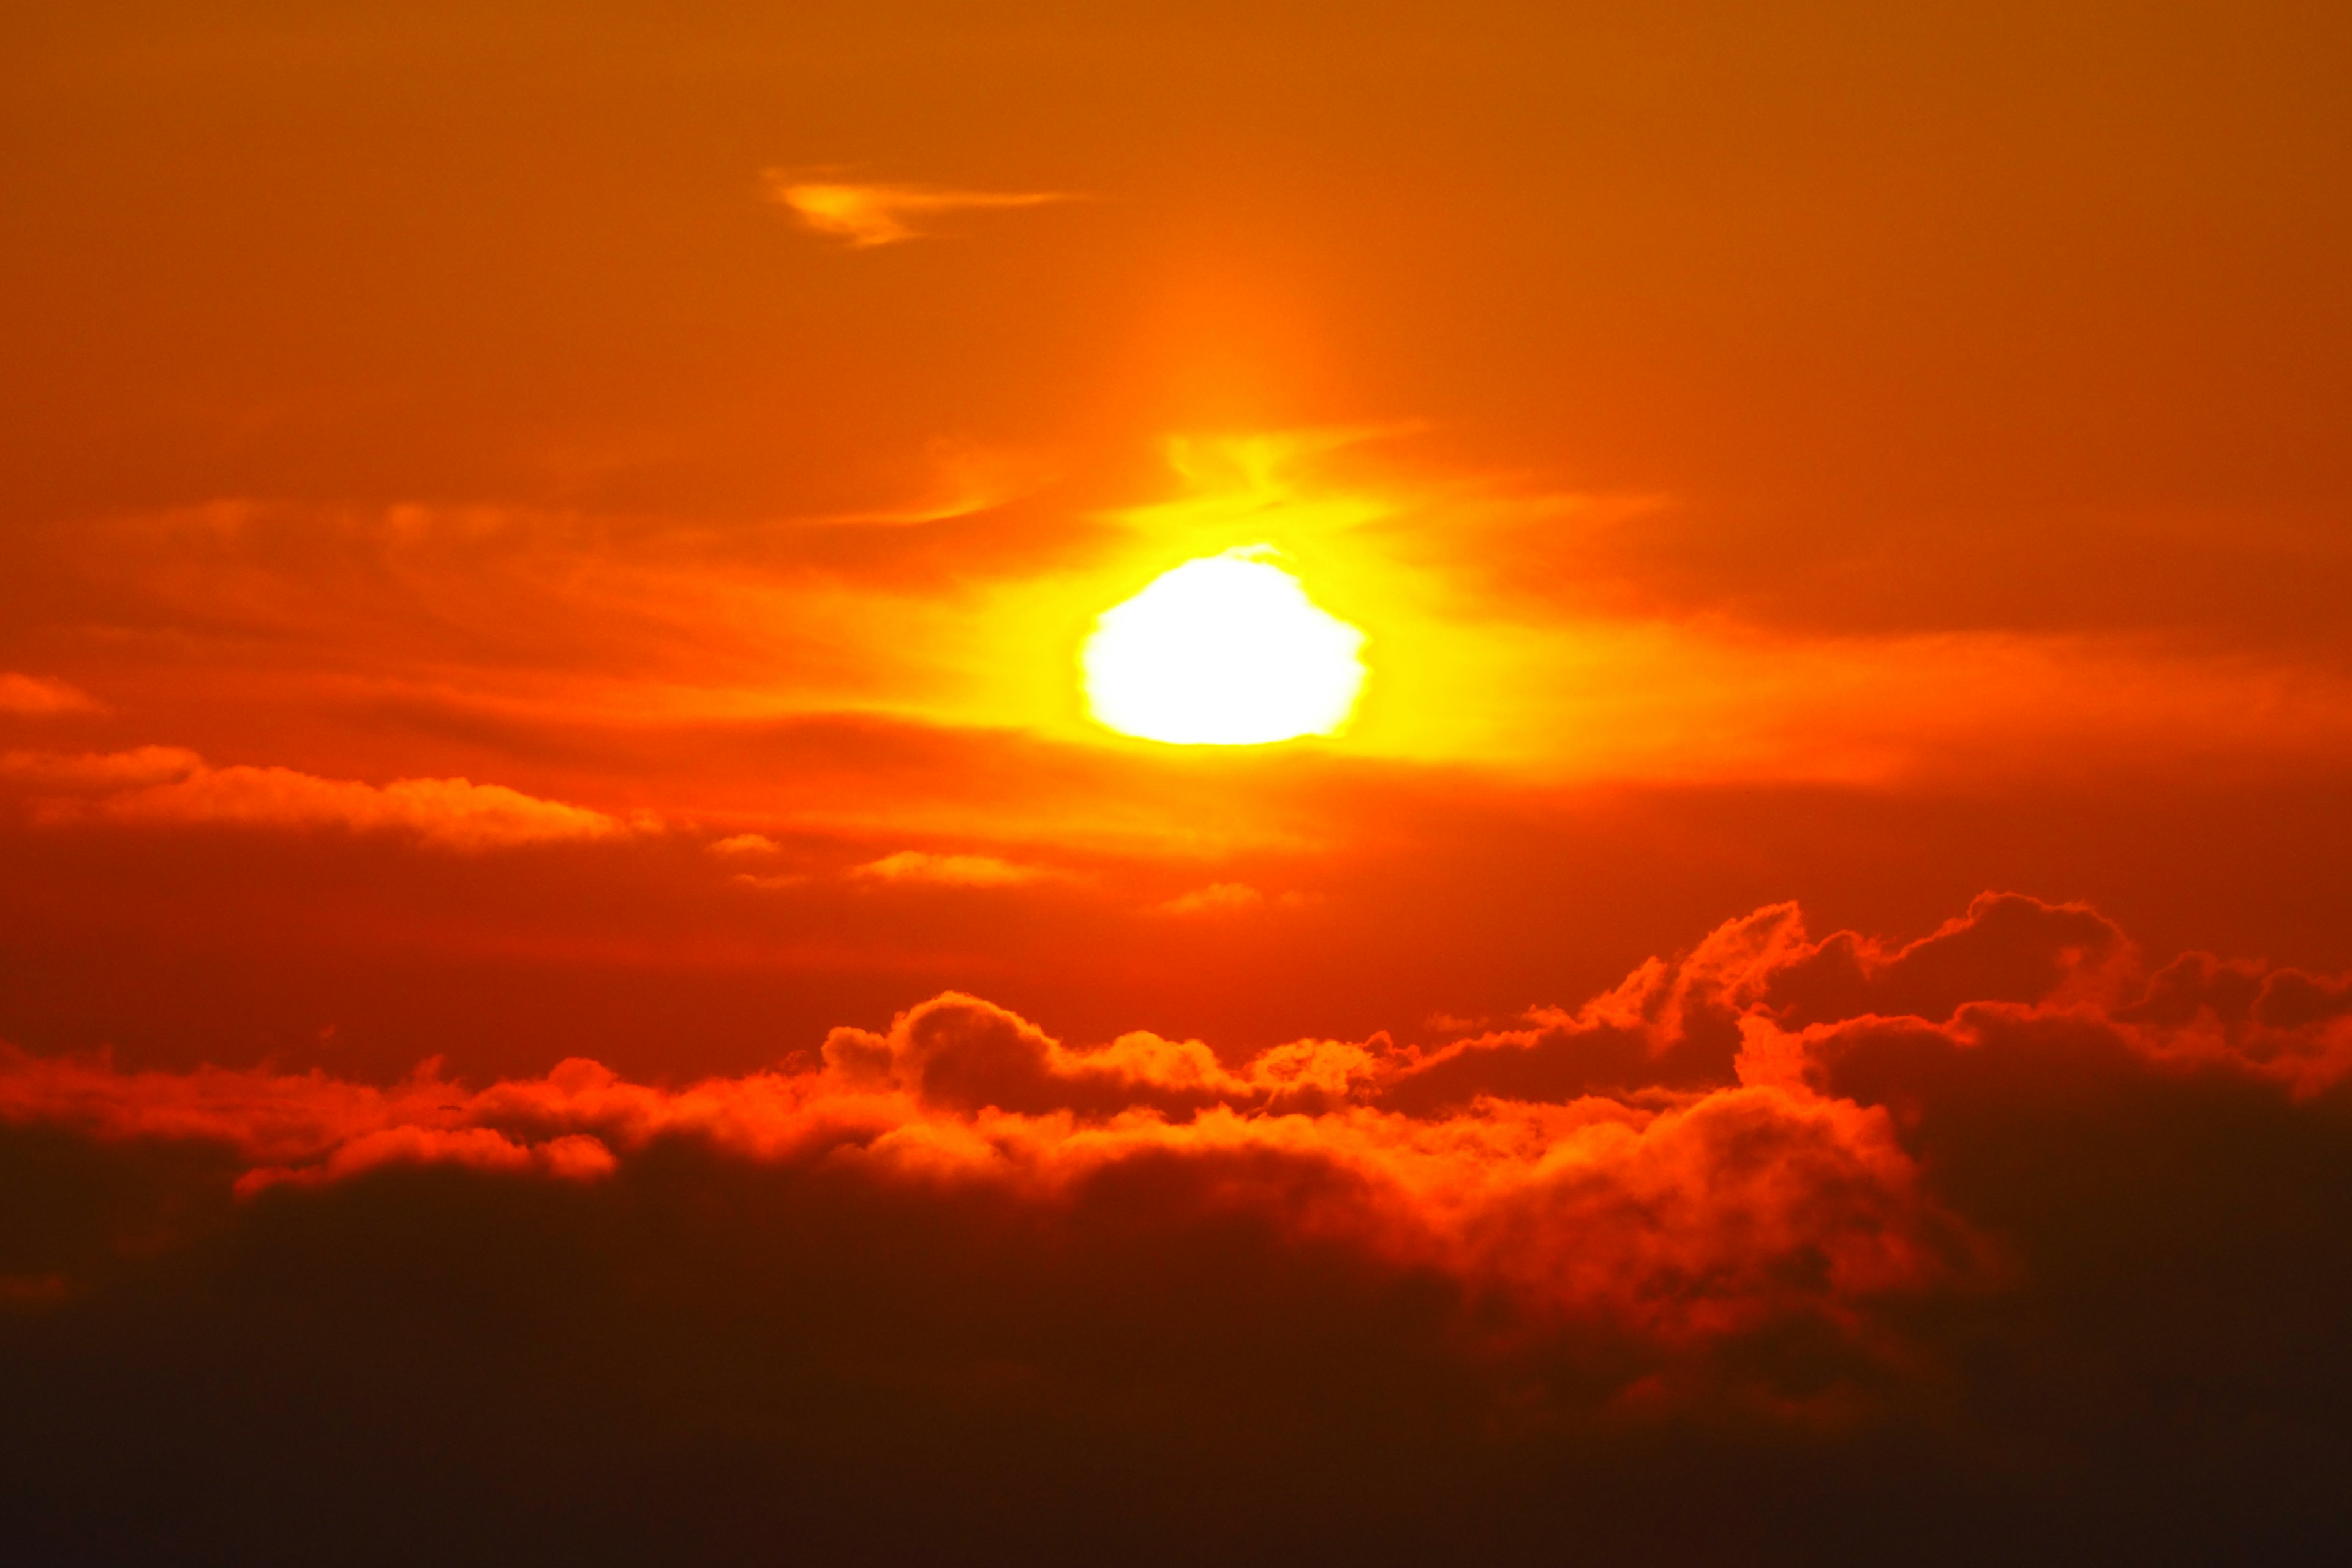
{"x": 951, "y": 870}
{"x": 744, "y": 846}
{"x": 95, "y": 772}
{"x": 769, "y": 884}
{"x": 1217, "y": 897}
{"x": 1232, "y": 899}
{"x": 41, "y": 694}
{"x": 166, "y": 783}
{"x": 871, "y": 215}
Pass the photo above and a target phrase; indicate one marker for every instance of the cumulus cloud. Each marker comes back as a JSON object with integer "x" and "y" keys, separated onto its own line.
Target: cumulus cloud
{"x": 1682, "y": 1024}
{"x": 165, "y": 783}
{"x": 868, "y": 214}
{"x": 1591, "y": 1209}
{"x": 960, "y": 1053}
{"x": 1775, "y": 1214}
{"x": 40, "y": 695}
{"x": 951, "y": 870}
{"x": 1715, "y": 1116}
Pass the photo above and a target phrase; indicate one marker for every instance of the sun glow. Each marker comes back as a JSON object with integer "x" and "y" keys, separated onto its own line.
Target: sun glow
{"x": 1227, "y": 650}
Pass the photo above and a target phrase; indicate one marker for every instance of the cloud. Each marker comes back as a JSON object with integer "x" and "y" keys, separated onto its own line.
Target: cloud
{"x": 1585, "y": 1210}
{"x": 1217, "y": 897}
{"x": 1745, "y": 1065}
{"x": 165, "y": 783}
{"x": 756, "y": 848}
{"x": 2006, "y": 948}
{"x": 745, "y": 846}
{"x": 40, "y": 695}
{"x": 961, "y": 1053}
{"x": 82, "y": 773}
{"x": 1832, "y": 1228}
{"x": 1683, "y": 1024}
{"x": 952, "y": 870}
{"x": 1232, "y": 899}
{"x": 872, "y": 215}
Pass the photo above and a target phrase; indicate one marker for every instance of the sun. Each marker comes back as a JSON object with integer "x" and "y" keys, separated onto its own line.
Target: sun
{"x": 1227, "y": 650}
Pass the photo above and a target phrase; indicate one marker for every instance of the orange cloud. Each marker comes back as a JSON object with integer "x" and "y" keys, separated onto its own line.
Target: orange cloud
{"x": 755, "y": 848}
{"x": 82, "y": 773}
{"x": 1578, "y": 1209}
{"x": 962, "y": 1053}
{"x": 952, "y": 870}
{"x": 1725, "y": 1012}
{"x": 1716, "y": 1118}
{"x": 872, "y": 215}
{"x": 1217, "y": 897}
{"x": 40, "y": 695}
{"x": 744, "y": 846}
{"x": 164, "y": 783}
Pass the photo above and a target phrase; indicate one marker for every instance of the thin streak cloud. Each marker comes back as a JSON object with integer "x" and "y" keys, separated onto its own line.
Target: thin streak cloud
{"x": 867, "y": 216}
{"x": 951, "y": 870}
{"x": 172, "y": 784}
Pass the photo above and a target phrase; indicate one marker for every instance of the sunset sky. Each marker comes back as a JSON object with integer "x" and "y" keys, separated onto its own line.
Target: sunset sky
{"x": 583, "y": 978}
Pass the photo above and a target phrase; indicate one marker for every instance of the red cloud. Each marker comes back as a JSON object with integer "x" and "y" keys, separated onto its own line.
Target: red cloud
{"x": 2007, "y": 948}
{"x": 1682, "y": 1024}
{"x": 1713, "y": 1144}
{"x": 1596, "y": 1209}
{"x": 958, "y": 1053}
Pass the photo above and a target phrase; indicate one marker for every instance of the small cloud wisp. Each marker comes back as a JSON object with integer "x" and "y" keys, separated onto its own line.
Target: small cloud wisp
{"x": 867, "y": 216}
{"x": 39, "y": 696}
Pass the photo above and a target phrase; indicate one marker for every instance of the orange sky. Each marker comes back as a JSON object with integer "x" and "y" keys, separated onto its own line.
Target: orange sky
{"x": 535, "y": 532}
{"x": 1884, "y": 457}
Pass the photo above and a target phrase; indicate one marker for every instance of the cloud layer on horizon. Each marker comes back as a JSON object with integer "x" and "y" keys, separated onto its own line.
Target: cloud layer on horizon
{"x": 1716, "y": 1118}
{"x": 1966, "y": 1215}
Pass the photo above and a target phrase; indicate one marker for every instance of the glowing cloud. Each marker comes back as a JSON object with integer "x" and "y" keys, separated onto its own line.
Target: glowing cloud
{"x": 1227, "y": 650}
{"x": 868, "y": 215}
{"x": 1217, "y": 897}
{"x": 168, "y": 784}
{"x": 951, "y": 870}
{"x": 744, "y": 845}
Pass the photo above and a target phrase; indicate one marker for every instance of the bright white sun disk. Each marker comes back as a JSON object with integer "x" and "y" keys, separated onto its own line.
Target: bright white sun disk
{"x": 1227, "y": 650}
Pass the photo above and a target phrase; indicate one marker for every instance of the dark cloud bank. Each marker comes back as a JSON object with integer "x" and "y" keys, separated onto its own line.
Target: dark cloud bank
{"x": 1999, "y": 1247}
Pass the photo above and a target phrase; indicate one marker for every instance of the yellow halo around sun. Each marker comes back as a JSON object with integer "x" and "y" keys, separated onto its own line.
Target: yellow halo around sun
{"x": 1227, "y": 650}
